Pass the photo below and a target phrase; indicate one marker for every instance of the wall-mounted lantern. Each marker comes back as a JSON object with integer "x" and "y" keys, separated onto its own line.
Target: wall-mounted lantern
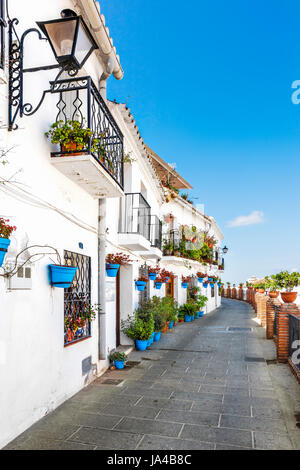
{"x": 72, "y": 44}
{"x": 225, "y": 250}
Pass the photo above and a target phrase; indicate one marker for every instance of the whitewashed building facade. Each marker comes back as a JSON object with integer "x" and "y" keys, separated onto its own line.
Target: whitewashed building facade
{"x": 81, "y": 206}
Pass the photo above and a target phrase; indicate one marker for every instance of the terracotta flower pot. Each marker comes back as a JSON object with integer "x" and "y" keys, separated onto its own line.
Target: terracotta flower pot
{"x": 289, "y": 297}
{"x": 261, "y": 291}
{"x": 71, "y": 146}
{"x": 273, "y": 295}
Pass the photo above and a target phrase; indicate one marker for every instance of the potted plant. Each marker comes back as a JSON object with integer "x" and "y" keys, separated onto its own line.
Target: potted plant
{"x": 153, "y": 272}
{"x": 76, "y": 322}
{"x": 61, "y": 276}
{"x": 141, "y": 283}
{"x": 113, "y": 263}
{"x": 185, "y": 280}
{"x": 200, "y": 276}
{"x": 200, "y": 303}
{"x": 158, "y": 282}
{"x": 5, "y": 232}
{"x": 74, "y": 136}
{"x": 139, "y": 327}
{"x": 165, "y": 275}
{"x": 286, "y": 280}
{"x": 119, "y": 359}
{"x": 273, "y": 287}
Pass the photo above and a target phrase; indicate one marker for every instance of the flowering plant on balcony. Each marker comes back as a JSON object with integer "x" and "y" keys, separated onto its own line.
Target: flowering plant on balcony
{"x": 185, "y": 279}
{"x": 118, "y": 258}
{"x": 71, "y": 133}
{"x": 6, "y": 229}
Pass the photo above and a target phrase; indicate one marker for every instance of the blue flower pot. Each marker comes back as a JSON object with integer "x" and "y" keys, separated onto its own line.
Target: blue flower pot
{"x": 140, "y": 285}
{"x": 198, "y": 315}
{"x": 200, "y": 279}
{"x": 219, "y": 284}
{"x": 205, "y": 285}
{"x": 210, "y": 279}
{"x": 119, "y": 364}
{"x": 212, "y": 284}
{"x": 4, "y": 244}
{"x": 157, "y": 336}
{"x": 141, "y": 344}
{"x": 184, "y": 285}
{"x": 193, "y": 317}
{"x": 112, "y": 270}
{"x": 152, "y": 276}
{"x": 158, "y": 285}
{"x": 62, "y": 276}
{"x": 171, "y": 324}
{"x": 201, "y": 314}
{"x": 187, "y": 318}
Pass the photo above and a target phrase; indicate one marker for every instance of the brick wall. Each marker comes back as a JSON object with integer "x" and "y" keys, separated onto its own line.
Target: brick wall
{"x": 282, "y": 322}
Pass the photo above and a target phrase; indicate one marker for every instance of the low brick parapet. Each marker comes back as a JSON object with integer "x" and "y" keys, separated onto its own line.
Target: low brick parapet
{"x": 282, "y": 322}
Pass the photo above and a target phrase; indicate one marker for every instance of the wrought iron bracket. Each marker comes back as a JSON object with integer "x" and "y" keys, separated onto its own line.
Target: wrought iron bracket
{"x": 17, "y": 107}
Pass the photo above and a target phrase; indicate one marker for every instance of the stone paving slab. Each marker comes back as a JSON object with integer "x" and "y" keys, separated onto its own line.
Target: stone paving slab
{"x": 201, "y": 387}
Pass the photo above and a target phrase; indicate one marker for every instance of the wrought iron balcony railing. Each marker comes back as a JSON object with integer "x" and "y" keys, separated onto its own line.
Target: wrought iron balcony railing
{"x": 135, "y": 215}
{"x": 79, "y": 100}
{"x": 156, "y": 232}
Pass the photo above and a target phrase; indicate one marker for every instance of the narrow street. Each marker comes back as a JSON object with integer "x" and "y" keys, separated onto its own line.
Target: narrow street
{"x": 209, "y": 384}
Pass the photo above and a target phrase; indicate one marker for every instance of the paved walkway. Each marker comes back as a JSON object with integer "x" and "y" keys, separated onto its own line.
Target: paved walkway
{"x": 205, "y": 385}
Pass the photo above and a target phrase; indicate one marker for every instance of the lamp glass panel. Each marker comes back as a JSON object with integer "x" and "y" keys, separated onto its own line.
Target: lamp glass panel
{"x": 83, "y": 45}
{"x": 61, "y": 35}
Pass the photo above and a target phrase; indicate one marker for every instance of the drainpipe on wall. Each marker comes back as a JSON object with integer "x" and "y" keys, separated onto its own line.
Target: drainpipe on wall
{"x": 102, "y": 342}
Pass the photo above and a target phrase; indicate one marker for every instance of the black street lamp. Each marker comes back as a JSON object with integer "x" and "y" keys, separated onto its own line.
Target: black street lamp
{"x": 70, "y": 40}
{"x": 225, "y": 250}
{"x": 72, "y": 44}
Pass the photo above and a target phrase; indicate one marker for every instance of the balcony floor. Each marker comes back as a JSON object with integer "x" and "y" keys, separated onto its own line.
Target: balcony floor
{"x": 85, "y": 171}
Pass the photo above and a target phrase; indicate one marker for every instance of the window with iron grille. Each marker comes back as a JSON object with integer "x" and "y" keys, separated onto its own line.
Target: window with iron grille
{"x": 2, "y": 40}
{"x": 77, "y": 298}
{"x": 213, "y": 291}
{"x": 145, "y": 294}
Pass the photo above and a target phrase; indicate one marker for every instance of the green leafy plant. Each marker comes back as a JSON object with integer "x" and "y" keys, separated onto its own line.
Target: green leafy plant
{"x": 201, "y": 301}
{"x": 140, "y": 325}
{"x": 286, "y": 280}
{"x": 66, "y": 133}
{"x": 118, "y": 356}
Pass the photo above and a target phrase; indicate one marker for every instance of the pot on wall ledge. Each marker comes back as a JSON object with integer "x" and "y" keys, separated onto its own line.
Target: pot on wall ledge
{"x": 288, "y": 297}
{"x": 273, "y": 295}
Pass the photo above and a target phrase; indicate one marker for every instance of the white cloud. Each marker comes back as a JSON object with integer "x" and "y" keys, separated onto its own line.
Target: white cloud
{"x": 256, "y": 217}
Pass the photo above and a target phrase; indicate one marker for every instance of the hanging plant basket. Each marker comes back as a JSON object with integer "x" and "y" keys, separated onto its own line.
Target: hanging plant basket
{"x": 140, "y": 285}
{"x": 158, "y": 285}
{"x": 200, "y": 279}
{"x": 152, "y": 276}
{"x": 184, "y": 285}
{"x": 112, "y": 269}
{"x": 4, "y": 244}
{"x": 205, "y": 285}
{"x": 62, "y": 276}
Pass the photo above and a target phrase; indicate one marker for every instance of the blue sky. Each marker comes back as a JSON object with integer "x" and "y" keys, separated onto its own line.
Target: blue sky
{"x": 209, "y": 84}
